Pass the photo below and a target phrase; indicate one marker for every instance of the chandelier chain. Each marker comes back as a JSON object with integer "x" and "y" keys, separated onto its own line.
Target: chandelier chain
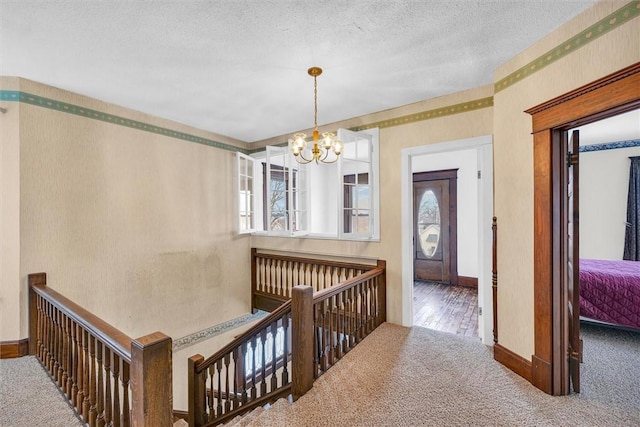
{"x": 315, "y": 102}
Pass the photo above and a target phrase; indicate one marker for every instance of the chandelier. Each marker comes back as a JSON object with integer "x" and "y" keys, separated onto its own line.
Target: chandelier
{"x": 321, "y": 151}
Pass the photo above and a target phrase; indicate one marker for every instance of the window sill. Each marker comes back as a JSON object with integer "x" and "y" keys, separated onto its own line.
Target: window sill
{"x": 317, "y": 236}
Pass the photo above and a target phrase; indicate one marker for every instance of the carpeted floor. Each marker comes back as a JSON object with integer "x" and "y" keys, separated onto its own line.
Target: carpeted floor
{"x": 29, "y": 398}
{"x": 420, "y": 377}
{"x": 403, "y": 377}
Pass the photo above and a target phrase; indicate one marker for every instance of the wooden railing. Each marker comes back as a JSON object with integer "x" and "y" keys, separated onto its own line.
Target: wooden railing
{"x": 274, "y": 276}
{"x": 252, "y": 370}
{"x": 343, "y": 315}
{"x": 110, "y": 379}
{"x": 287, "y": 350}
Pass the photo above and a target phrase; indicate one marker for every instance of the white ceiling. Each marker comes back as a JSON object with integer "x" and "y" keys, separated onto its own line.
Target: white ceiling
{"x": 239, "y": 67}
{"x": 623, "y": 127}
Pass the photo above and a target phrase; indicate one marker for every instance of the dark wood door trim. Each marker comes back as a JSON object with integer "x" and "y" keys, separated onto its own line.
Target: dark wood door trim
{"x": 452, "y": 176}
{"x": 606, "y": 97}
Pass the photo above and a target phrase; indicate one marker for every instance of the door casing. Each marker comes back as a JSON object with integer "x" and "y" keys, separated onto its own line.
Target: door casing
{"x": 483, "y": 145}
{"x": 606, "y": 97}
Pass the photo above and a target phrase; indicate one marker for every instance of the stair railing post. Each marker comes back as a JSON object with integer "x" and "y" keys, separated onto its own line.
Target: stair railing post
{"x": 301, "y": 340}
{"x": 196, "y": 385}
{"x": 36, "y": 279}
{"x": 382, "y": 293}
{"x": 151, "y": 382}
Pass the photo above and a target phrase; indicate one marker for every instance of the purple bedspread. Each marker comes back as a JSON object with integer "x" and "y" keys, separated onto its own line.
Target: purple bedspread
{"x": 610, "y": 291}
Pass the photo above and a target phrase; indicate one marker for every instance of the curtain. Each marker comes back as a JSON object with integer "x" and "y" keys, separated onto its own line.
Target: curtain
{"x": 632, "y": 233}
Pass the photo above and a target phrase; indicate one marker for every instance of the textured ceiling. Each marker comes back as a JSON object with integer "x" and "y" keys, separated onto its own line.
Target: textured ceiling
{"x": 238, "y": 67}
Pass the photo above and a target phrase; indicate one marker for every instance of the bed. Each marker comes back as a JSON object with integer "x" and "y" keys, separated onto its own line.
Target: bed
{"x": 610, "y": 292}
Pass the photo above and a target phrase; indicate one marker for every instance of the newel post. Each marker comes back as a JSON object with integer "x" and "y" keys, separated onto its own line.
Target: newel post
{"x": 197, "y": 392}
{"x": 301, "y": 340}
{"x": 35, "y": 279}
{"x": 151, "y": 382}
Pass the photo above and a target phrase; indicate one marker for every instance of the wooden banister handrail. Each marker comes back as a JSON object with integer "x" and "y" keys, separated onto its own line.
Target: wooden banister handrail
{"x": 116, "y": 339}
{"x": 316, "y": 261}
{"x": 336, "y": 289}
{"x": 108, "y": 378}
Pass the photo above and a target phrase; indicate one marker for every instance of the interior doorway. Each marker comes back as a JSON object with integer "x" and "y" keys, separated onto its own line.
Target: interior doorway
{"x": 421, "y": 159}
{"x": 607, "y": 97}
{"x": 599, "y": 187}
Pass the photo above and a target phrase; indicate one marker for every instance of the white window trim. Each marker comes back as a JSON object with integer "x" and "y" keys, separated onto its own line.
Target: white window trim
{"x": 374, "y": 179}
{"x": 252, "y": 194}
{"x": 374, "y": 188}
{"x": 290, "y": 169}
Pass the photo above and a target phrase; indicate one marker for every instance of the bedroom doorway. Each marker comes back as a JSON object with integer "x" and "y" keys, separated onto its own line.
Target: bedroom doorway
{"x": 600, "y": 155}
{"x": 619, "y": 128}
{"x": 610, "y": 96}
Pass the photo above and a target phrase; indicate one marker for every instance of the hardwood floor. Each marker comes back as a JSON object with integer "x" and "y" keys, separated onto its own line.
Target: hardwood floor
{"x": 446, "y": 308}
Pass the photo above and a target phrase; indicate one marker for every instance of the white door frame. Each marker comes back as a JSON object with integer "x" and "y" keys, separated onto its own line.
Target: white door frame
{"x": 484, "y": 145}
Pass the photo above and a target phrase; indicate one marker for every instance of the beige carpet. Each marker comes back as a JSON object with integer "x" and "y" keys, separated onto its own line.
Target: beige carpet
{"x": 29, "y": 398}
{"x": 403, "y": 377}
{"x": 419, "y": 377}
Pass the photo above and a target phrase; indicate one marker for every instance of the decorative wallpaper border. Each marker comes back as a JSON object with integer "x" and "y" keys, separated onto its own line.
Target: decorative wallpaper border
{"x": 205, "y": 334}
{"x": 610, "y": 145}
{"x": 614, "y": 20}
{"x": 464, "y": 107}
{"x": 52, "y": 104}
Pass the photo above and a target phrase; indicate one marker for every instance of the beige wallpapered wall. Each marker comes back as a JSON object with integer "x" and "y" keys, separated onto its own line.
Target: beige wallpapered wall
{"x": 133, "y": 226}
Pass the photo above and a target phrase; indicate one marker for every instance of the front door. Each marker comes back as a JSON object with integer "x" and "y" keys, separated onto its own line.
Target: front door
{"x": 434, "y": 226}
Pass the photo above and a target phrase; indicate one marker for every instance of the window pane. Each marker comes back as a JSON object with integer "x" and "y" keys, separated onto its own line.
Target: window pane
{"x": 245, "y": 183}
{"x": 357, "y": 203}
{"x": 279, "y": 220}
{"x": 361, "y": 196}
{"x": 278, "y": 200}
{"x": 362, "y": 221}
{"x": 429, "y": 223}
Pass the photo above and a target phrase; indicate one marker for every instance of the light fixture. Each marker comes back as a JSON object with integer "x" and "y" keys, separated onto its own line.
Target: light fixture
{"x": 321, "y": 152}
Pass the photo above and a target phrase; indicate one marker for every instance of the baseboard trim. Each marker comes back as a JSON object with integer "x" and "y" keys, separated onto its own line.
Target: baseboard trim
{"x": 517, "y": 364}
{"x": 469, "y": 282}
{"x": 13, "y": 349}
{"x": 541, "y": 374}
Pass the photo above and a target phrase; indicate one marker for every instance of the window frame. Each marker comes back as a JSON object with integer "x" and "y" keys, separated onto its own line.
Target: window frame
{"x": 296, "y": 191}
{"x": 349, "y": 188}
{"x": 249, "y": 197}
{"x": 373, "y": 182}
{"x": 302, "y": 178}
{"x": 266, "y": 217}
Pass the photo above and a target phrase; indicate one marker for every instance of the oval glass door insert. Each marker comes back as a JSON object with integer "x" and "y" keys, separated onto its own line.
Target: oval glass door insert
{"x": 429, "y": 224}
